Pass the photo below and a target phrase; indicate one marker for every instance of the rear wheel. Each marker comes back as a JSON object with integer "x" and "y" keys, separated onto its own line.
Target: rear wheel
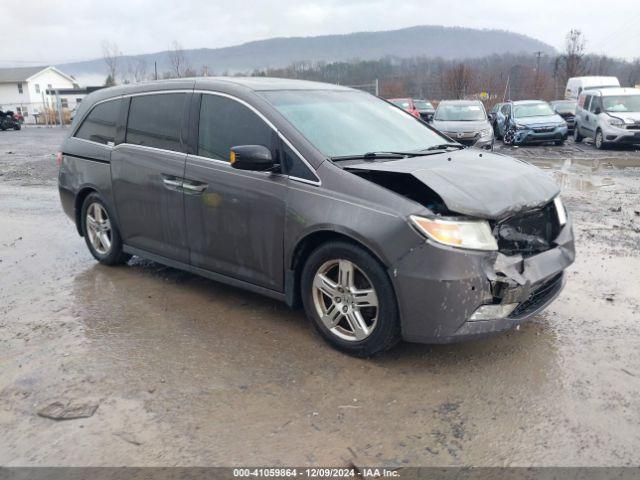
{"x": 349, "y": 298}
{"x": 559, "y": 142}
{"x": 599, "y": 140}
{"x": 101, "y": 233}
{"x": 576, "y": 134}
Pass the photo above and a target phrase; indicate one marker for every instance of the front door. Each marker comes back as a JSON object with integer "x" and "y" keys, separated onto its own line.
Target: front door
{"x": 147, "y": 171}
{"x": 234, "y": 219}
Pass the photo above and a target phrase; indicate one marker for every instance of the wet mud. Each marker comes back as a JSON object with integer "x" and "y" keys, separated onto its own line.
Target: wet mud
{"x": 185, "y": 371}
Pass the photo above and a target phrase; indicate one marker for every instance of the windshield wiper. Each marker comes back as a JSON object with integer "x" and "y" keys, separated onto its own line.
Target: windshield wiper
{"x": 378, "y": 155}
{"x": 444, "y": 146}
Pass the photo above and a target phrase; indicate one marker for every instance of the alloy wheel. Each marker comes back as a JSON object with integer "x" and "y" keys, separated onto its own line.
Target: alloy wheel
{"x": 345, "y": 300}
{"x": 598, "y": 140}
{"x": 99, "y": 228}
{"x": 509, "y": 137}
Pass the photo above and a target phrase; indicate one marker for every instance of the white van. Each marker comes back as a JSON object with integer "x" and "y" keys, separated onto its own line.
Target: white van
{"x": 575, "y": 85}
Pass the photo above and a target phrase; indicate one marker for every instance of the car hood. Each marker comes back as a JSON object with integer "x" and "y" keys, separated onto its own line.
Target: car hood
{"x": 478, "y": 184}
{"x": 626, "y": 116}
{"x": 456, "y": 127}
{"x": 541, "y": 120}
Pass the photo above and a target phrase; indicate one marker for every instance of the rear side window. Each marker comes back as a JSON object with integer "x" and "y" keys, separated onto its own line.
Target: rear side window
{"x": 226, "y": 123}
{"x": 154, "y": 120}
{"x": 100, "y": 125}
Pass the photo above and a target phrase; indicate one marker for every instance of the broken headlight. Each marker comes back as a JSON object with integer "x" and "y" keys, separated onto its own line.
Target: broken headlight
{"x": 486, "y": 132}
{"x": 560, "y": 210}
{"x": 472, "y": 234}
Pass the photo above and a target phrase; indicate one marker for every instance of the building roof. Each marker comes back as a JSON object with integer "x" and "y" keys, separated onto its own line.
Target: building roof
{"x": 22, "y": 74}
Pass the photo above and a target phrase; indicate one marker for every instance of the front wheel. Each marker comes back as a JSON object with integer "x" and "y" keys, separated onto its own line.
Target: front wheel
{"x": 350, "y": 300}
{"x": 559, "y": 142}
{"x": 599, "y": 140}
{"x": 509, "y": 137}
{"x": 101, "y": 233}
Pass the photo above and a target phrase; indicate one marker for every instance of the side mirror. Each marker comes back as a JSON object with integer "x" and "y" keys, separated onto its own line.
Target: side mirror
{"x": 491, "y": 117}
{"x": 597, "y": 111}
{"x": 252, "y": 157}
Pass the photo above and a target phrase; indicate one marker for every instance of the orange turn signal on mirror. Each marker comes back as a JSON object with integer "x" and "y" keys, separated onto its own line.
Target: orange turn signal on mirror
{"x": 232, "y": 157}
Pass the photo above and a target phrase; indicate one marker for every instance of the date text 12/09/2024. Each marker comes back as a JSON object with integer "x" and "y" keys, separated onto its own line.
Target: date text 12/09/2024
{"x": 315, "y": 473}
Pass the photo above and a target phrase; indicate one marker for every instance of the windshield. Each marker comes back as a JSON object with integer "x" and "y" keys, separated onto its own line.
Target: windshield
{"x": 460, "y": 113}
{"x": 621, "y": 103}
{"x": 422, "y": 105}
{"x": 341, "y": 123}
{"x": 541, "y": 109}
{"x": 401, "y": 103}
{"x": 565, "y": 107}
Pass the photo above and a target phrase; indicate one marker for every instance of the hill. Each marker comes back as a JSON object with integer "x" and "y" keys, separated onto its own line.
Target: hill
{"x": 427, "y": 41}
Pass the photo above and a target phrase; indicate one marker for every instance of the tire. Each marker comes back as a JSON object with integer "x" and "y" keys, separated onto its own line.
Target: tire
{"x": 598, "y": 141}
{"x": 331, "y": 295}
{"x": 17, "y": 126}
{"x": 509, "y": 137}
{"x": 109, "y": 251}
{"x": 559, "y": 142}
{"x": 576, "y": 134}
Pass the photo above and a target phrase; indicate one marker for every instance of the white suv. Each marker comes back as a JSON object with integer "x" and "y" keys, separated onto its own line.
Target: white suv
{"x": 609, "y": 116}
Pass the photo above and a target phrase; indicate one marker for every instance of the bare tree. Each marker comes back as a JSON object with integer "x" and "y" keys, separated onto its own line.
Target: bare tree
{"x": 457, "y": 81}
{"x": 111, "y": 55}
{"x": 139, "y": 69}
{"x": 573, "y": 59}
{"x": 177, "y": 60}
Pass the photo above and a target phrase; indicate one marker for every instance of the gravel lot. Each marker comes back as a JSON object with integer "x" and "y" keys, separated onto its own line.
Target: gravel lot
{"x": 186, "y": 371}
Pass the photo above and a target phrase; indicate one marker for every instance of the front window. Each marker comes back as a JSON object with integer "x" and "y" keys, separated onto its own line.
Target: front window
{"x": 422, "y": 105}
{"x": 621, "y": 103}
{"x": 401, "y": 103}
{"x": 565, "y": 107}
{"x": 342, "y": 123}
{"x": 541, "y": 109}
{"x": 460, "y": 113}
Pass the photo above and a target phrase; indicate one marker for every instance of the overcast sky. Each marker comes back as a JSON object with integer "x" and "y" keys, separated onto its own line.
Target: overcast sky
{"x": 57, "y": 31}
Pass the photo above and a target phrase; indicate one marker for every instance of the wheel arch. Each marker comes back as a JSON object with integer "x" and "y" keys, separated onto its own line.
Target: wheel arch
{"x": 307, "y": 244}
{"x": 82, "y": 194}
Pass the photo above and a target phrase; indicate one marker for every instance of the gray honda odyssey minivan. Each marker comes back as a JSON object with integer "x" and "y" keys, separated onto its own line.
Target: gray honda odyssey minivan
{"x": 321, "y": 196}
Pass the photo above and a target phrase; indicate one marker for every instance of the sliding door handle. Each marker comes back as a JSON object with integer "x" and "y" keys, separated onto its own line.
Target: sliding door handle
{"x": 172, "y": 183}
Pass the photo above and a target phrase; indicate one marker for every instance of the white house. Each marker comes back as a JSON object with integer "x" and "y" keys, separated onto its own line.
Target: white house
{"x": 29, "y": 90}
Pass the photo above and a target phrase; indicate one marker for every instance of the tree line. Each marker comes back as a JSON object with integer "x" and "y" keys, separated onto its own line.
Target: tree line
{"x": 491, "y": 78}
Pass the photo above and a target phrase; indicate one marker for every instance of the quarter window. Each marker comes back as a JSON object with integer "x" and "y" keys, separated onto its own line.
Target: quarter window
{"x": 226, "y": 123}
{"x": 292, "y": 165}
{"x": 100, "y": 124}
{"x": 154, "y": 120}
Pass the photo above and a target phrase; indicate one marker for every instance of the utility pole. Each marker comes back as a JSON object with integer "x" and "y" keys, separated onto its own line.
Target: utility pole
{"x": 537, "y": 78}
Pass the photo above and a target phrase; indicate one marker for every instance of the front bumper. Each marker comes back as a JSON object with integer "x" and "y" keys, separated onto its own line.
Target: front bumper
{"x": 439, "y": 288}
{"x": 621, "y": 136}
{"x": 531, "y": 136}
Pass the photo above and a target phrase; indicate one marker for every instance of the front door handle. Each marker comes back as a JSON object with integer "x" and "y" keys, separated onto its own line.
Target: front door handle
{"x": 194, "y": 188}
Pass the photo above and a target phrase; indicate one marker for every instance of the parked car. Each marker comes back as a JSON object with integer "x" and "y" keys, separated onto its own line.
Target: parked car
{"x": 418, "y": 108}
{"x": 567, "y": 110}
{"x": 530, "y": 121}
{"x": 320, "y": 195}
{"x": 611, "y": 116}
{"x": 8, "y": 121}
{"x": 575, "y": 85}
{"x": 465, "y": 121}
{"x": 493, "y": 117}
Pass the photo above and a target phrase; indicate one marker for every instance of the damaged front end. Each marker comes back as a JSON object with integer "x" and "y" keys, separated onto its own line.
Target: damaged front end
{"x": 498, "y": 240}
